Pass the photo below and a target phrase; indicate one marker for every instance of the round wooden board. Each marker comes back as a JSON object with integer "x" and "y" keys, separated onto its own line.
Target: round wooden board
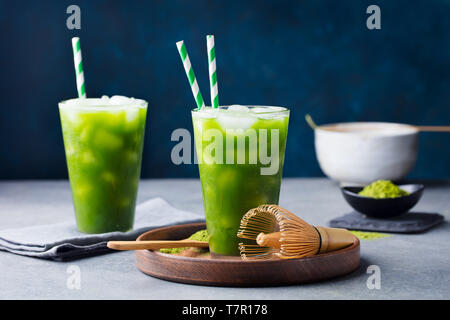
{"x": 238, "y": 273}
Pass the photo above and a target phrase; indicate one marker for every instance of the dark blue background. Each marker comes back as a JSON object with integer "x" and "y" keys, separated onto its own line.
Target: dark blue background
{"x": 313, "y": 56}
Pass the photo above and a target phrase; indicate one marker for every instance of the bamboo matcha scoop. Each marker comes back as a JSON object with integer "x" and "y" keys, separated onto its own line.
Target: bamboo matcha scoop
{"x": 278, "y": 232}
{"x": 156, "y": 244}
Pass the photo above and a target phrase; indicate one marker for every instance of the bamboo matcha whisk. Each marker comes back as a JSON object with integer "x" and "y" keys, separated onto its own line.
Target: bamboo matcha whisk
{"x": 278, "y": 232}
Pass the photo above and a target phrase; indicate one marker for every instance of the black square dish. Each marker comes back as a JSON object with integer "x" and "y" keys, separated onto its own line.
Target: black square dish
{"x": 412, "y": 222}
{"x": 383, "y": 208}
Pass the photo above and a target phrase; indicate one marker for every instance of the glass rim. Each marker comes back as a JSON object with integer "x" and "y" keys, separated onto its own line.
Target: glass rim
{"x": 71, "y": 104}
{"x": 280, "y": 109}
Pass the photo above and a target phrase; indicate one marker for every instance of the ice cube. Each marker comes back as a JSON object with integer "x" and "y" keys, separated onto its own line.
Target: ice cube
{"x": 107, "y": 140}
{"x": 274, "y": 116}
{"x": 81, "y": 190}
{"x": 238, "y": 108}
{"x": 124, "y": 202}
{"x": 227, "y": 178}
{"x": 268, "y": 112}
{"x": 88, "y": 157}
{"x": 131, "y": 156}
{"x": 206, "y": 113}
{"x": 236, "y": 121}
{"x": 109, "y": 177}
{"x": 85, "y": 134}
{"x": 275, "y": 109}
{"x": 73, "y": 117}
{"x": 131, "y": 115}
{"x": 260, "y": 110}
{"x": 70, "y": 149}
{"x": 118, "y": 100}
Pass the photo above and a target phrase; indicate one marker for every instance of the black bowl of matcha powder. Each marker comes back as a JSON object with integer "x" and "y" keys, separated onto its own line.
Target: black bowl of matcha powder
{"x": 382, "y": 198}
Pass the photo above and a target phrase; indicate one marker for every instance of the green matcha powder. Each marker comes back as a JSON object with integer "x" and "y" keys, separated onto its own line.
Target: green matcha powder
{"x": 201, "y": 235}
{"x": 382, "y": 189}
{"x": 369, "y": 235}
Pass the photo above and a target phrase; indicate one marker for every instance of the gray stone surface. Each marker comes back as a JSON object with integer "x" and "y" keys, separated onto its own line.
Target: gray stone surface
{"x": 412, "y": 266}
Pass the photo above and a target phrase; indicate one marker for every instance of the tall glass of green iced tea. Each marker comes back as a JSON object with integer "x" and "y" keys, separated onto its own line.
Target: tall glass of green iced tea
{"x": 103, "y": 141}
{"x": 240, "y": 152}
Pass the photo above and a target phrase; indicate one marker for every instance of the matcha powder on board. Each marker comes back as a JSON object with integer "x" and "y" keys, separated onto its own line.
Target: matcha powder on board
{"x": 382, "y": 189}
{"x": 369, "y": 235}
{"x": 201, "y": 235}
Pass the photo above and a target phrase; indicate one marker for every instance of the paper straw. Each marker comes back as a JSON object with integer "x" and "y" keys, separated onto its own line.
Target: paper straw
{"x": 78, "y": 62}
{"x": 190, "y": 74}
{"x": 212, "y": 71}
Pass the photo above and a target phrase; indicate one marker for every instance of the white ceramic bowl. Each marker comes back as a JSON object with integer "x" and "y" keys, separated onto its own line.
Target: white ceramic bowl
{"x": 363, "y": 152}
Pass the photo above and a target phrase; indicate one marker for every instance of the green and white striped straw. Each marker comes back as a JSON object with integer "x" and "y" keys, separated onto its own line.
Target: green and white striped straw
{"x": 78, "y": 62}
{"x": 212, "y": 71}
{"x": 190, "y": 74}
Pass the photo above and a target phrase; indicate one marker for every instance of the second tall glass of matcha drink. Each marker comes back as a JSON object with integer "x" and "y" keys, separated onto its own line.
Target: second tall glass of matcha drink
{"x": 103, "y": 139}
{"x": 240, "y": 153}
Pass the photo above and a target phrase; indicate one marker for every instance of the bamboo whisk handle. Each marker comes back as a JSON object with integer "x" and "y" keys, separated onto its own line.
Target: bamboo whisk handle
{"x": 334, "y": 239}
{"x": 331, "y": 239}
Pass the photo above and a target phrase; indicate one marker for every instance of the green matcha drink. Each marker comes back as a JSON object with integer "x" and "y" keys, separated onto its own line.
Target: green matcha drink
{"x": 240, "y": 153}
{"x": 103, "y": 140}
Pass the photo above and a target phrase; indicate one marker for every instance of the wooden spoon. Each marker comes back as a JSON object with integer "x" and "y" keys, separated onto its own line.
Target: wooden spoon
{"x": 156, "y": 244}
{"x": 313, "y": 126}
{"x": 433, "y": 128}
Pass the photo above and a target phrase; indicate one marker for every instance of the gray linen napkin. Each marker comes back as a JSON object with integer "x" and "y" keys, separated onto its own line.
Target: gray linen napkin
{"x": 62, "y": 241}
